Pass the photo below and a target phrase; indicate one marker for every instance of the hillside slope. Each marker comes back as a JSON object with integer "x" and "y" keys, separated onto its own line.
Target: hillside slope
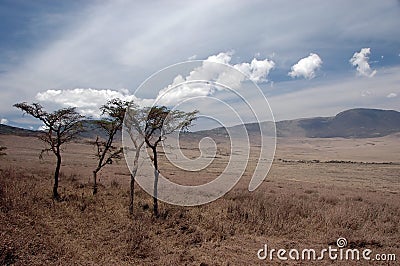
{"x": 353, "y": 123}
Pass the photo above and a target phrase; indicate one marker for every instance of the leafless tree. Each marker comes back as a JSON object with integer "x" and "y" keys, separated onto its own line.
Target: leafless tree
{"x": 61, "y": 126}
{"x": 111, "y": 124}
{"x": 160, "y": 122}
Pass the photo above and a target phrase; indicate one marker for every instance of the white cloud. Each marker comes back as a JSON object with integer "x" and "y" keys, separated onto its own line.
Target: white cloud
{"x": 223, "y": 58}
{"x": 366, "y": 93}
{"x": 42, "y": 128}
{"x": 214, "y": 69}
{"x": 257, "y": 70}
{"x": 87, "y": 101}
{"x": 171, "y": 96}
{"x": 360, "y": 60}
{"x": 392, "y": 95}
{"x": 309, "y": 99}
{"x": 3, "y": 121}
{"x": 306, "y": 67}
{"x": 69, "y": 58}
{"x": 338, "y": 94}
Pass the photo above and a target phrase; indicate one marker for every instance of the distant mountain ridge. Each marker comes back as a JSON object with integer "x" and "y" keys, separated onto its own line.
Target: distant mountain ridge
{"x": 353, "y": 123}
{"x": 10, "y": 130}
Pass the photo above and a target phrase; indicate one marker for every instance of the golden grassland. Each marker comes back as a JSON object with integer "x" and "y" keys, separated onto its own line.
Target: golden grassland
{"x": 302, "y": 204}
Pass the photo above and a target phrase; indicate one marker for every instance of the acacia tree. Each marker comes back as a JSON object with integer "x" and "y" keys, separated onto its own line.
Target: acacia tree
{"x": 62, "y": 126}
{"x": 160, "y": 122}
{"x": 114, "y": 112}
{"x": 135, "y": 121}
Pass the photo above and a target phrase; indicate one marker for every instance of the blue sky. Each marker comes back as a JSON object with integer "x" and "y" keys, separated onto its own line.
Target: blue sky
{"x": 111, "y": 47}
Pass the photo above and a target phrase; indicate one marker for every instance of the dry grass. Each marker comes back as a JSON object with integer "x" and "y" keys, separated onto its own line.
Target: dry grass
{"x": 299, "y": 206}
{"x": 97, "y": 230}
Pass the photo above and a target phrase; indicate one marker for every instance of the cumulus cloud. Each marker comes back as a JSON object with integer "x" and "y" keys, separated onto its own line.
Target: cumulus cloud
{"x": 181, "y": 88}
{"x": 392, "y": 95}
{"x": 223, "y": 57}
{"x": 306, "y": 67}
{"x": 360, "y": 60}
{"x": 87, "y": 101}
{"x": 170, "y": 96}
{"x": 257, "y": 70}
{"x": 3, "y": 121}
{"x": 125, "y": 57}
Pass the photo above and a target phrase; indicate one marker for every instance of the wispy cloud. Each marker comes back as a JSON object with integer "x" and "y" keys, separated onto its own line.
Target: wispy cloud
{"x": 119, "y": 44}
{"x": 306, "y": 67}
{"x": 392, "y": 95}
{"x": 360, "y": 60}
{"x": 335, "y": 95}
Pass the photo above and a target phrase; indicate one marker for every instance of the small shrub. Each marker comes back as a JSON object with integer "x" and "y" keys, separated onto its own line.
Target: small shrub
{"x": 2, "y": 149}
{"x": 7, "y": 256}
{"x": 115, "y": 184}
{"x": 330, "y": 200}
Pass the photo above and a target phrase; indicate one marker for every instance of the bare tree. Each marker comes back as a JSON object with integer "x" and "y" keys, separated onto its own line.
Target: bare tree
{"x": 62, "y": 126}
{"x": 160, "y": 122}
{"x": 106, "y": 152}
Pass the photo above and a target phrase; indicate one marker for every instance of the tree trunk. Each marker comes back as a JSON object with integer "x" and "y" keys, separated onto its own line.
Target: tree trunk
{"x": 133, "y": 175}
{"x": 132, "y": 189}
{"x": 95, "y": 182}
{"x": 56, "y": 176}
{"x": 155, "y": 199}
{"x": 156, "y": 174}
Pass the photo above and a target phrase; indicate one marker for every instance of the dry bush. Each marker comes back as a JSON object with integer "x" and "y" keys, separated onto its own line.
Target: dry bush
{"x": 138, "y": 240}
{"x": 2, "y": 149}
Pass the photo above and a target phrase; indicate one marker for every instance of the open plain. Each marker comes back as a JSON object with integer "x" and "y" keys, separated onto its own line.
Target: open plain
{"x": 317, "y": 191}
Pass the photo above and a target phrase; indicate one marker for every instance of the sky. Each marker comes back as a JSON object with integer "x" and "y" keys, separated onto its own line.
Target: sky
{"x": 309, "y": 58}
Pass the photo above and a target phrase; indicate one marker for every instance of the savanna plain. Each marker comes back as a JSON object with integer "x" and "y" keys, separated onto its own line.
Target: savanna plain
{"x": 317, "y": 190}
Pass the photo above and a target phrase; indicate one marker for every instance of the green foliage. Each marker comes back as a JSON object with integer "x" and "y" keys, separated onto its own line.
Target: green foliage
{"x": 113, "y": 113}
{"x": 62, "y": 125}
{"x": 162, "y": 121}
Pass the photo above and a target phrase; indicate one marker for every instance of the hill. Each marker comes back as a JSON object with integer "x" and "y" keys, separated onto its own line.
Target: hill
{"x": 9, "y": 130}
{"x": 91, "y": 130}
{"x": 353, "y": 123}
